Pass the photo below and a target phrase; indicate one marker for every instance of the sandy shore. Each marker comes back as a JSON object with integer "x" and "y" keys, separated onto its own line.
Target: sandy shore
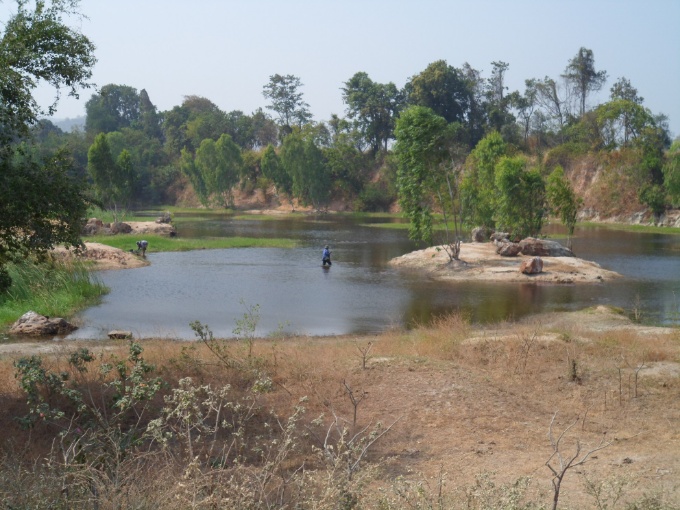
{"x": 479, "y": 261}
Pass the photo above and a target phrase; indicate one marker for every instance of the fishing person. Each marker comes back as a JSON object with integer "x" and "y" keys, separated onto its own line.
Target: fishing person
{"x": 141, "y": 247}
{"x": 326, "y": 257}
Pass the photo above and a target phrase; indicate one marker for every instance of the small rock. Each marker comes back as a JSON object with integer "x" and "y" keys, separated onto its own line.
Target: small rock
{"x": 119, "y": 334}
{"x": 533, "y": 265}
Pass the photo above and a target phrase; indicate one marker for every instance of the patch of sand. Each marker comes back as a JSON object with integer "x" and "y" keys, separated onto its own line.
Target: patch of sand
{"x": 479, "y": 261}
{"x": 101, "y": 256}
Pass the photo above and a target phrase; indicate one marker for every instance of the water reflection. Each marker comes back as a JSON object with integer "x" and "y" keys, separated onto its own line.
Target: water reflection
{"x": 360, "y": 293}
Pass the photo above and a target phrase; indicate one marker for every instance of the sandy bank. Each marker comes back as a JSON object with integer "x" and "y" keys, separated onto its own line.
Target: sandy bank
{"x": 479, "y": 261}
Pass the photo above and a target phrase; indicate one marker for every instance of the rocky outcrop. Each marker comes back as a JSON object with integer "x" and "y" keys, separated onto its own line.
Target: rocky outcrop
{"x": 34, "y": 324}
{"x": 533, "y": 265}
{"x": 544, "y": 248}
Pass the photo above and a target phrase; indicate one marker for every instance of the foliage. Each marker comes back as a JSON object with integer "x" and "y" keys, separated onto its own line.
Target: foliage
{"x": 113, "y": 108}
{"x": 304, "y": 162}
{"x": 581, "y": 74}
{"x": 478, "y": 192}
{"x": 113, "y": 180}
{"x": 374, "y": 107}
{"x": 671, "y": 173}
{"x": 219, "y": 164}
{"x": 520, "y": 205}
{"x": 50, "y": 289}
{"x": 561, "y": 199}
{"x": 427, "y": 168}
{"x": 40, "y": 203}
{"x": 273, "y": 169}
{"x": 286, "y": 101}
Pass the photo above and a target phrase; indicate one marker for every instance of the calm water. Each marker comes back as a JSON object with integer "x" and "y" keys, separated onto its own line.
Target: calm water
{"x": 359, "y": 294}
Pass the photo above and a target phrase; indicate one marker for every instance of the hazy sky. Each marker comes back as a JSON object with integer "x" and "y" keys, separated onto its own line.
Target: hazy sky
{"x": 225, "y": 50}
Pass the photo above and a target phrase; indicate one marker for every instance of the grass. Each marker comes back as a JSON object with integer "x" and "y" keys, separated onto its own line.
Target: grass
{"x": 645, "y": 229}
{"x": 158, "y": 243}
{"x": 469, "y": 401}
{"x": 54, "y": 290}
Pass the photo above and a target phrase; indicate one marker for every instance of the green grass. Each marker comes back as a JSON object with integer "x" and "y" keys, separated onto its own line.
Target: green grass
{"x": 54, "y": 290}
{"x": 159, "y": 243}
{"x": 645, "y": 229}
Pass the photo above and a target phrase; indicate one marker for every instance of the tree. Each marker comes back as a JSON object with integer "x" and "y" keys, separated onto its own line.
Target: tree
{"x": 304, "y": 162}
{"x": 443, "y": 89}
{"x": 41, "y": 203}
{"x": 273, "y": 169}
{"x": 562, "y": 200}
{"x": 478, "y": 188}
{"x": 374, "y": 107}
{"x": 286, "y": 101}
{"x": 113, "y": 108}
{"x": 219, "y": 164}
{"x": 671, "y": 173}
{"x": 112, "y": 181}
{"x": 149, "y": 119}
{"x": 428, "y": 175}
{"x": 498, "y": 102}
{"x": 520, "y": 204}
{"x": 580, "y": 73}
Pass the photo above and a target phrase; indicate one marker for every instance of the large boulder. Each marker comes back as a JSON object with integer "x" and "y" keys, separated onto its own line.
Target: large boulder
{"x": 534, "y": 265}
{"x": 500, "y": 237}
{"x": 544, "y": 248}
{"x": 34, "y": 324}
{"x": 120, "y": 228}
{"x": 508, "y": 249}
{"x": 92, "y": 227}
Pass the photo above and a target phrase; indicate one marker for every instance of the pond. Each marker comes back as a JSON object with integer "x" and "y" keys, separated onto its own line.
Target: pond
{"x": 288, "y": 290}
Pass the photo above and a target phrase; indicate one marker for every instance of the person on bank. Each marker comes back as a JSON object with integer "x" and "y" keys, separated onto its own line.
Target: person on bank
{"x": 326, "y": 258}
{"x": 141, "y": 247}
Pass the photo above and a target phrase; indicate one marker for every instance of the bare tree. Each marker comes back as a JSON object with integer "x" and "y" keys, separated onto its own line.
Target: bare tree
{"x": 559, "y": 462}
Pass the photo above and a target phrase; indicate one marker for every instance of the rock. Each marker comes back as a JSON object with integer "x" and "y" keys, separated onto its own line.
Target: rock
{"x": 500, "y": 237}
{"x": 533, "y": 265}
{"x": 508, "y": 249}
{"x": 544, "y": 248}
{"x": 119, "y": 334}
{"x": 34, "y": 324}
{"x": 480, "y": 235}
{"x": 92, "y": 227}
{"x": 120, "y": 228}
{"x": 164, "y": 218}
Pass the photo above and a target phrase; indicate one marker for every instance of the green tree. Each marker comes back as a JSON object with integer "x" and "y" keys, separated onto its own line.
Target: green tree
{"x": 442, "y": 88}
{"x": 580, "y": 73}
{"x": 41, "y": 203}
{"x": 113, "y": 182}
{"x": 520, "y": 204}
{"x": 149, "y": 119}
{"x": 374, "y": 107}
{"x": 304, "y": 162}
{"x": 219, "y": 164}
{"x": 562, "y": 201}
{"x": 191, "y": 172}
{"x": 478, "y": 188}
{"x": 671, "y": 173}
{"x": 273, "y": 169}
{"x": 111, "y": 109}
{"x": 286, "y": 100}
{"x": 428, "y": 175}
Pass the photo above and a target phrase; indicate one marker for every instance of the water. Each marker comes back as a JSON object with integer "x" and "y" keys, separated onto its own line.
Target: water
{"x": 360, "y": 294}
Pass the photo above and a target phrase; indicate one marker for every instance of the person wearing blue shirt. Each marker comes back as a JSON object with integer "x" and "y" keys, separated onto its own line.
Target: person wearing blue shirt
{"x": 326, "y": 258}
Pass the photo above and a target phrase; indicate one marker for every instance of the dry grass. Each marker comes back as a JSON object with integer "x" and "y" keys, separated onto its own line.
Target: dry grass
{"x": 464, "y": 401}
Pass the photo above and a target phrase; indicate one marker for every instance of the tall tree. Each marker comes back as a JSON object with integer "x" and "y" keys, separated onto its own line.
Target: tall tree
{"x": 443, "y": 89}
{"x": 273, "y": 169}
{"x": 428, "y": 175}
{"x": 41, "y": 204}
{"x": 374, "y": 107}
{"x": 304, "y": 162}
{"x": 584, "y": 79}
{"x": 562, "y": 200}
{"x": 111, "y": 109}
{"x": 520, "y": 203}
{"x": 220, "y": 164}
{"x": 113, "y": 180}
{"x": 149, "y": 119}
{"x": 286, "y": 100}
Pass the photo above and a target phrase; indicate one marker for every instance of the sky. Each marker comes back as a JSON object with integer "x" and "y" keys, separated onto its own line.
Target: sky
{"x": 226, "y": 50}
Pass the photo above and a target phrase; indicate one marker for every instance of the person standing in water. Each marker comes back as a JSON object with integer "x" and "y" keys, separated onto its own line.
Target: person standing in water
{"x": 326, "y": 257}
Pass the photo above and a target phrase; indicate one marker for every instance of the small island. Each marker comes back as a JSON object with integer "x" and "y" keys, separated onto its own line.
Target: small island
{"x": 480, "y": 262}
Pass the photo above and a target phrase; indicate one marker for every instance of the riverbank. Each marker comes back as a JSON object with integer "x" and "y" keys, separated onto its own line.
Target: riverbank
{"x": 480, "y": 262}
{"x": 469, "y": 405}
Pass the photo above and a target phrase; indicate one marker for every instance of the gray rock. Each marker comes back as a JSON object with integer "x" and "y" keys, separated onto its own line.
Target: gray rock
{"x": 544, "y": 248}
{"x": 34, "y": 324}
{"x": 119, "y": 334}
{"x": 508, "y": 249}
{"x": 480, "y": 235}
